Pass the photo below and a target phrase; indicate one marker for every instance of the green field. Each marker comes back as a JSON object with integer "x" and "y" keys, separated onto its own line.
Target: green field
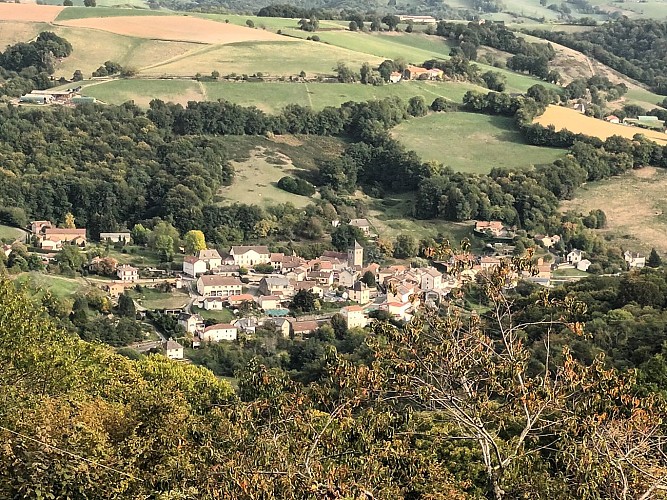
{"x": 136, "y": 8}
{"x": 10, "y": 233}
{"x": 57, "y": 285}
{"x": 471, "y": 142}
{"x": 143, "y": 91}
{"x": 154, "y": 299}
{"x": 255, "y": 180}
{"x": 269, "y": 96}
{"x": 224, "y": 316}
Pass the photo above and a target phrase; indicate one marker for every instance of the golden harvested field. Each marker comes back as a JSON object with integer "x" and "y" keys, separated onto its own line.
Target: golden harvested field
{"x": 566, "y": 118}
{"x": 12, "y": 32}
{"x": 29, "y": 12}
{"x": 177, "y": 28}
{"x": 635, "y": 205}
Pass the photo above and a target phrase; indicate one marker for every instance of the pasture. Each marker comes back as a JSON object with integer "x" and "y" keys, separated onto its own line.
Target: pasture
{"x": 284, "y": 57}
{"x": 255, "y": 180}
{"x": 635, "y": 206}
{"x": 91, "y": 52}
{"x": 143, "y": 91}
{"x": 69, "y": 13}
{"x": 565, "y": 118}
{"x": 10, "y": 233}
{"x": 470, "y": 142}
{"x": 12, "y": 32}
{"x": 59, "y": 286}
{"x": 270, "y": 97}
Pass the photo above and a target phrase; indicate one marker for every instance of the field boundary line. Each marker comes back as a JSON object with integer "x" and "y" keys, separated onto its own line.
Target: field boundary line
{"x": 310, "y": 100}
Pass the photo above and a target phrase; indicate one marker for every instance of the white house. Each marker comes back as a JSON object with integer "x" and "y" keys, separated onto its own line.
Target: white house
{"x": 127, "y": 273}
{"x": 218, "y": 286}
{"x": 431, "y": 279}
{"x": 634, "y": 260}
{"x": 574, "y": 257}
{"x": 275, "y": 285}
{"x": 218, "y": 332}
{"x": 250, "y": 255}
{"x": 172, "y": 349}
{"x": 214, "y": 303}
{"x": 203, "y": 261}
{"x": 354, "y": 316}
{"x": 362, "y": 224}
{"x": 192, "y": 323}
{"x": 269, "y": 302}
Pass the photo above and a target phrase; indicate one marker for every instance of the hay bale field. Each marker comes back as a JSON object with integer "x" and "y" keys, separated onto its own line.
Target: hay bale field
{"x": 177, "y": 28}
{"x": 566, "y": 118}
{"x": 29, "y": 12}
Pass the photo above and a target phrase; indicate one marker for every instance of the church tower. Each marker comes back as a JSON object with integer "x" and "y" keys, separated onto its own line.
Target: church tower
{"x": 355, "y": 255}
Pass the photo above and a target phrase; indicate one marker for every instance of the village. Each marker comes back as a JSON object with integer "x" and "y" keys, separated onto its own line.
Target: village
{"x": 262, "y": 287}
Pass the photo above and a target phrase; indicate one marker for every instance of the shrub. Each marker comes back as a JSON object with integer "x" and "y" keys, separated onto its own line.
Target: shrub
{"x": 296, "y": 186}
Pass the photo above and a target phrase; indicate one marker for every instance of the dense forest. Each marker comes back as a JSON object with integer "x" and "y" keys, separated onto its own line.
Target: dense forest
{"x": 636, "y": 48}
{"x": 28, "y": 66}
{"x": 167, "y": 163}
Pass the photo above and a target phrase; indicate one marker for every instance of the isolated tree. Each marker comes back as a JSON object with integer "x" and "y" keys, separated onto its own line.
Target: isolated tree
{"x": 249, "y": 23}
{"x": 68, "y": 3}
{"x": 344, "y": 74}
{"x": 353, "y": 26}
{"x": 69, "y": 221}
{"x": 303, "y": 301}
{"x": 140, "y": 234}
{"x": 77, "y": 76}
{"x": 365, "y": 73}
{"x": 410, "y": 27}
{"x": 654, "y": 259}
{"x": 193, "y": 241}
{"x": 89, "y": 3}
{"x": 391, "y": 21}
{"x": 369, "y": 278}
{"x": 126, "y": 307}
{"x": 215, "y": 74}
{"x": 439, "y": 104}
{"x": 417, "y": 106}
{"x": 406, "y": 246}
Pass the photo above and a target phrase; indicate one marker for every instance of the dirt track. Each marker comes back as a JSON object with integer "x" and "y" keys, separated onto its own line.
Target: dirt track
{"x": 176, "y": 28}
{"x": 29, "y": 12}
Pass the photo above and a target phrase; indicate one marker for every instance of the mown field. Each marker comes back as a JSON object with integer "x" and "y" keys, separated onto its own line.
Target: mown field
{"x": 471, "y": 142}
{"x": 10, "y": 233}
{"x": 268, "y": 96}
{"x": 565, "y": 118}
{"x": 635, "y": 206}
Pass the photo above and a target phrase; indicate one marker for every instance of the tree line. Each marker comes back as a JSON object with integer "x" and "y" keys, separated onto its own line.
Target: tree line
{"x": 636, "y": 48}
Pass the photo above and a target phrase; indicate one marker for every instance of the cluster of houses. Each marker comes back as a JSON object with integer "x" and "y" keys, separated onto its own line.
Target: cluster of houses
{"x": 416, "y": 73}
{"x": 64, "y": 97}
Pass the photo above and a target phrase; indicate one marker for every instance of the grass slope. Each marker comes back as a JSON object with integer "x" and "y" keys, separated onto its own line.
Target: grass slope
{"x": 10, "y": 233}
{"x": 471, "y": 142}
{"x": 12, "y": 32}
{"x": 136, "y": 8}
{"x": 270, "y": 97}
{"x": 635, "y": 207}
{"x": 143, "y": 91}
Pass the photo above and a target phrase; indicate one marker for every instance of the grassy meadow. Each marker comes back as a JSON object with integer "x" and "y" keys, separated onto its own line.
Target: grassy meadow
{"x": 59, "y": 286}
{"x": 137, "y": 8}
{"x": 10, "y": 233}
{"x": 471, "y": 142}
{"x": 635, "y": 206}
{"x": 270, "y": 97}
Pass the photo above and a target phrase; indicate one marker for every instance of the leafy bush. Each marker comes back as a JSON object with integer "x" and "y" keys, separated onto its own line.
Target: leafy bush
{"x": 296, "y": 186}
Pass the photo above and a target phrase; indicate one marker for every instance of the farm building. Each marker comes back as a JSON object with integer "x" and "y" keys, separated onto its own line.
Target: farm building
{"x": 395, "y": 77}
{"x": 612, "y": 119}
{"x": 418, "y": 19}
{"x": 80, "y": 99}
{"x": 36, "y": 99}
